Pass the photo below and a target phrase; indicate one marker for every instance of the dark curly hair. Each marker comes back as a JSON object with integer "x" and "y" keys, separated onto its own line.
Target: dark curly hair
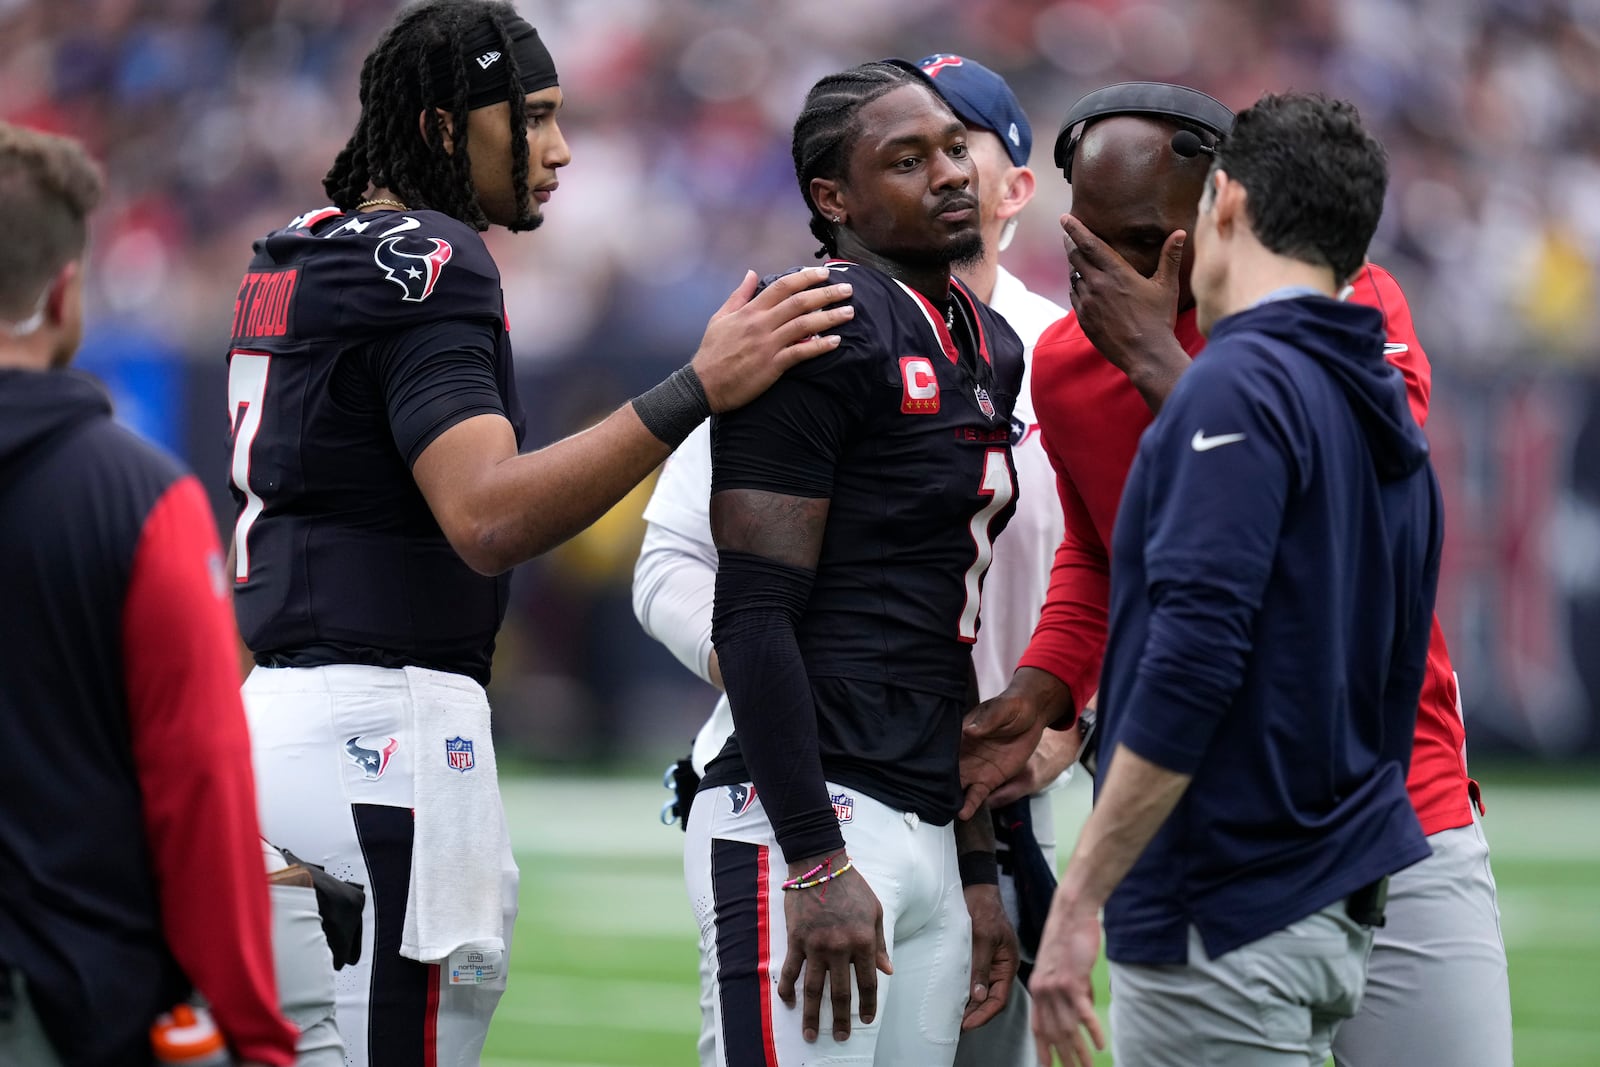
{"x": 827, "y": 129}
{"x": 1315, "y": 178}
{"x": 385, "y": 151}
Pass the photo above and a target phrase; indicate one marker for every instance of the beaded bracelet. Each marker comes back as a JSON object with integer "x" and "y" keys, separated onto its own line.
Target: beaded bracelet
{"x": 809, "y": 879}
{"x": 796, "y": 883}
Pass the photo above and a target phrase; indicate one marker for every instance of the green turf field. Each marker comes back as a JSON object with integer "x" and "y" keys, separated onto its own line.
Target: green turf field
{"x": 604, "y": 963}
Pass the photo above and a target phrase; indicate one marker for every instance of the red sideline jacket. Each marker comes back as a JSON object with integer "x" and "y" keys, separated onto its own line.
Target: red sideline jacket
{"x": 130, "y": 864}
{"x": 1091, "y": 418}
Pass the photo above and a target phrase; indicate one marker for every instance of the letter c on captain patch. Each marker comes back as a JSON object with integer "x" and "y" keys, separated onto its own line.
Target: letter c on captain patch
{"x": 919, "y": 386}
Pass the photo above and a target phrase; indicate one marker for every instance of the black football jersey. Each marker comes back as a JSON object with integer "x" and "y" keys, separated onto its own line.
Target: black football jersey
{"x": 357, "y": 340}
{"x": 908, "y": 434}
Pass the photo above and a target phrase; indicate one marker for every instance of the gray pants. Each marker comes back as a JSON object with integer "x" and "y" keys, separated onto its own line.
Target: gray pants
{"x": 1275, "y": 1002}
{"x": 22, "y": 1040}
{"x": 304, "y": 966}
{"x": 303, "y": 963}
{"x": 1437, "y": 990}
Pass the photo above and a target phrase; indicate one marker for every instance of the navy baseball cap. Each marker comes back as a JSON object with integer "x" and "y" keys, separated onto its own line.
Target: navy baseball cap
{"x": 980, "y": 97}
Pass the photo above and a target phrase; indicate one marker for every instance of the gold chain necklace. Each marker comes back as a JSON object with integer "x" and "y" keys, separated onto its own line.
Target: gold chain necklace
{"x": 381, "y": 201}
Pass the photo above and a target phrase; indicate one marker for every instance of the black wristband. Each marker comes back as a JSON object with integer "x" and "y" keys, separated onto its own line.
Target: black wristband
{"x": 978, "y": 868}
{"x": 674, "y": 408}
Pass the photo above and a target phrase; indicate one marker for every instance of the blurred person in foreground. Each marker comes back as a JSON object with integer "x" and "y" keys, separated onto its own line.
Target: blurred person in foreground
{"x": 382, "y": 500}
{"x": 1274, "y": 570}
{"x": 677, "y": 568}
{"x": 854, "y": 508}
{"x": 1437, "y": 988}
{"x": 130, "y": 861}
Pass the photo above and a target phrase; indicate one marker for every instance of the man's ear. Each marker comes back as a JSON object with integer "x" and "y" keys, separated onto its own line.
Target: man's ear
{"x": 1229, "y": 200}
{"x": 828, "y": 195}
{"x": 1020, "y": 185}
{"x": 58, "y": 298}
{"x": 446, "y": 127}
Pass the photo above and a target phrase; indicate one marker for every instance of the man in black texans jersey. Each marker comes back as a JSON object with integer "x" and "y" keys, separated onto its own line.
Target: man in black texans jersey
{"x": 381, "y": 499}
{"x": 854, "y": 508}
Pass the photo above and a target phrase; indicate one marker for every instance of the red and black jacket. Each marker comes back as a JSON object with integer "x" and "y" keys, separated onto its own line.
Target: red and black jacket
{"x": 129, "y": 859}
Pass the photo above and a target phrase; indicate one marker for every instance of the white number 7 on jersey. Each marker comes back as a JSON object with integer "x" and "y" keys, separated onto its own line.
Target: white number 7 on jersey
{"x": 247, "y": 393}
{"x": 998, "y": 486}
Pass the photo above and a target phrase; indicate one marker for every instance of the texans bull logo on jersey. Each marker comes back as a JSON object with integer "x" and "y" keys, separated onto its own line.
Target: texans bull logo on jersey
{"x": 415, "y": 272}
{"x": 372, "y": 755}
{"x": 742, "y": 797}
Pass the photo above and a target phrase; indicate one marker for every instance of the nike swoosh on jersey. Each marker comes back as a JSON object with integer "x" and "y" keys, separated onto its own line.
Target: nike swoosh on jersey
{"x": 1201, "y": 443}
{"x": 407, "y": 223}
{"x": 1394, "y": 348}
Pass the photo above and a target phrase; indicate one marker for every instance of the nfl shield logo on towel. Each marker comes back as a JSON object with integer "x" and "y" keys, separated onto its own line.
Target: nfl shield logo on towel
{"x": 458, "y": 753}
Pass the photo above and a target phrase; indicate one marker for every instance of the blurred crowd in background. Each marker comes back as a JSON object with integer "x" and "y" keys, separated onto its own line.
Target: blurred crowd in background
{"x": 216, "y": 120}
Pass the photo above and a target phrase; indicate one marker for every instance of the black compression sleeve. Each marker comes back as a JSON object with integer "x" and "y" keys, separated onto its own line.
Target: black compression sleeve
{"x": 758, "y": 607}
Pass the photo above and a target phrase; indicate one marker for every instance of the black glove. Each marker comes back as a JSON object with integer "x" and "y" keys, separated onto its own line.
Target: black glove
{"x": 339, "y": 903}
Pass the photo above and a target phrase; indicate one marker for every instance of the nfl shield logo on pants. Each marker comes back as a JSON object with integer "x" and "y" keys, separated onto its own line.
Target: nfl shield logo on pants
{"x": 458, "y": 753}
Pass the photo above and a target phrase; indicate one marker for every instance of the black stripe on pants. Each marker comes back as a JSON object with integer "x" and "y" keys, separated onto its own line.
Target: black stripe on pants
{"x": 398, "y": 1013}
{"x": 738, "y": 892}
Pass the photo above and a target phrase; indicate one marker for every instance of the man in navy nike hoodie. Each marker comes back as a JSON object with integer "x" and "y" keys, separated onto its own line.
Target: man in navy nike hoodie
{"x": 130, "y": 861}
{"x": 1274, "y": 566}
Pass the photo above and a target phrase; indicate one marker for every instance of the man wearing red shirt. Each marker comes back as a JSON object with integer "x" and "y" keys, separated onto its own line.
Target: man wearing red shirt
{"x": 1437, "y": 990}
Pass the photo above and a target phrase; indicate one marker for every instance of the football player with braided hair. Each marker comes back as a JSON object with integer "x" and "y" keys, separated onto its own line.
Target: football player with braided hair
{"x": 854, "y": 509}
{"x": 382, "y": 498}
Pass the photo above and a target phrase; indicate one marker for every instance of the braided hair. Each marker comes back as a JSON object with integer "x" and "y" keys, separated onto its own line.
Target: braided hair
{"x": 386, "y": 151}
{"x": 828, "y": 126}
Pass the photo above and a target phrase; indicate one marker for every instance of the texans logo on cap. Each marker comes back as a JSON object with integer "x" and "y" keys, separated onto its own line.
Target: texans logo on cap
{"x": 935, "y": 63}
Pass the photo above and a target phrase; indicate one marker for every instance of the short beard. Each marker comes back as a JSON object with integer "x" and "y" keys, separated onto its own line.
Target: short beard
{"x": 966, "y": 252}
{"x": 527, "y": 222}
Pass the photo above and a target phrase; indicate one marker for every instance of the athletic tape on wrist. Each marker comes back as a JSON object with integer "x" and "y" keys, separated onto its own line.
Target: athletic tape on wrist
{"x": 978, "y": 868}
{"x": 674, "y": 408}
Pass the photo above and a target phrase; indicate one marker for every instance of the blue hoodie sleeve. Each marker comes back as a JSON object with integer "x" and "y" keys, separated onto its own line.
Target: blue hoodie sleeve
{"x": 1221, "y": 461}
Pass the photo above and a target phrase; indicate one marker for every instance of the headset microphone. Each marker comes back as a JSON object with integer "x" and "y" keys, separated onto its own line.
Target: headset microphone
{"x": 1187, "y": 144}
{"x": 1178, "y": 103}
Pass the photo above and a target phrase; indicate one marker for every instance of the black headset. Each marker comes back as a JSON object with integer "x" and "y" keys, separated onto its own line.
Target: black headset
{"x": 1143, "y": 98}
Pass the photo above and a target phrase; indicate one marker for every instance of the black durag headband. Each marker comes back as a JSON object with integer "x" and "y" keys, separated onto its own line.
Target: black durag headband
{"x": 486, "y": 65}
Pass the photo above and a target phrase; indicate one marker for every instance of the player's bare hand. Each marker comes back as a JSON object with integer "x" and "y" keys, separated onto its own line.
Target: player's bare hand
{"x": 833, "y": 928}
{"x": 1002, "y": 732}
{"x": 754, "y": 337}
{"x": 995, "y": 955}
{"x": 1127, "y": 315}
{"x": 1061, "y": 987}
{"x": 1054, "y": 754}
